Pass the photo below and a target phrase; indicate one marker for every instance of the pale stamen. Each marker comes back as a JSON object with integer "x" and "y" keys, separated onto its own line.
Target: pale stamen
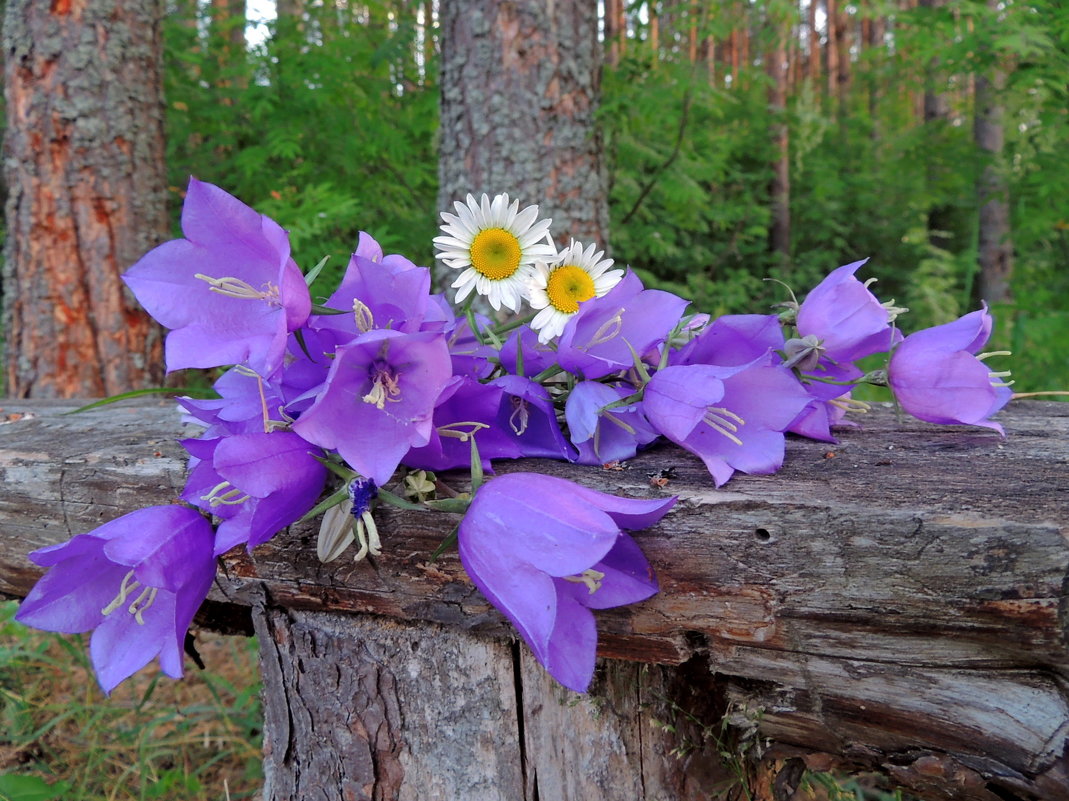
{"x": 232, "y": 287}
{"x": 216, "y": 496}
{"x": 612, "y": 418}
{"x": 520, "y": 416}
{"x": 608, "y": 331}
{"x": 384, "y": 388}
{"x": 365, "y": 320}
{"x": 590, "y": 577}
{"x": 141, "y": 603}
{"x": 986, "y": 354}
{"x": 125, "y": 589}
{"x": 724, "y": 421}
{"x": 850, "y": 405}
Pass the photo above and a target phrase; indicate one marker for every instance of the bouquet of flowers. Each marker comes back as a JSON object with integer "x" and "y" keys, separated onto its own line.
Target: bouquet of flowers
{"x": 329, "y": 409}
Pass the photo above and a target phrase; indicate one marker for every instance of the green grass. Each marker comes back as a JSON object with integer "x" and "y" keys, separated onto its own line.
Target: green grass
{"x": 154, "y": 738}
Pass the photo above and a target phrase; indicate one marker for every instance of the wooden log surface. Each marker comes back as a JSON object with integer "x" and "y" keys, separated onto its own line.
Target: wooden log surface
{"x": 894, "y": 602}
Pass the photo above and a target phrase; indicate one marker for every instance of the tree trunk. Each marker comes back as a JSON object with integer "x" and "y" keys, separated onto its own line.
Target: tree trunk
{"x": 520, "y": 89}
{"x": 845, "y": 28}
{"x": 228, "y": 37}
{"x": 995, "y": 247}
{"x": 86, "y": 183}
{"x": 831, "y": 50}
{"x": 780, "y": 232}
{"x": 936, "y": 119}
{"x": 877, "y": 48}
{"x": 655, "y": 30}
{"x": 813, "y": 63}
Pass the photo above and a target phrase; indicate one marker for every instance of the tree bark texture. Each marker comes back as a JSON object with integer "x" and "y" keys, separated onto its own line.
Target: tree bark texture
{"x": 894, "y": 602}
{"x": 995, "y": 251}
{"x": 520, "y": 88}
{"x": 780, "y": 189}
{"x": 86, "y": 183}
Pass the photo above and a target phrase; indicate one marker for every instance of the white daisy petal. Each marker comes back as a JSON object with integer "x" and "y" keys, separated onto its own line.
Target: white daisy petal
{"x": 559, "y": 288}
{"x": 495, "y": 246}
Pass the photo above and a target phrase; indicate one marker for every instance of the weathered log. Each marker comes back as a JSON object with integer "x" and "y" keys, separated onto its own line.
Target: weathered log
{"x": 896, "y": 602}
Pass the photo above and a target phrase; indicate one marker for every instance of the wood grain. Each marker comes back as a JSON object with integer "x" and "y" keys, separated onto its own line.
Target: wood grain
{"x": 894, "y": 602}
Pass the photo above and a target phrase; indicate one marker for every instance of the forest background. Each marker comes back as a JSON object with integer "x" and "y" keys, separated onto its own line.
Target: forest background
{"x": 739, "y": 141}
{"x": 874, "y": 139}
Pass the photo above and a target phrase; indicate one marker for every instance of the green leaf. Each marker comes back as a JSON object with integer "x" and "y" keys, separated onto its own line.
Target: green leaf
{"x": 323, "y": 505}
{"x": 137, "y": 393}
{"x": 448, "y": 542}
{"x": 313, "y": 274}
{"x": 16, "y": 787}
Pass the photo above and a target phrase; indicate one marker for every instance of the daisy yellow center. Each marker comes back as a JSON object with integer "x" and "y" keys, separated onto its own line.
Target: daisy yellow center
{"x": 569, "y": 286}
{"x": 495, "y": 253}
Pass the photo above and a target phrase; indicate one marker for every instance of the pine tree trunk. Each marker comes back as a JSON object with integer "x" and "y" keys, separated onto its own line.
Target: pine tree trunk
{"x": 936, "y": 118}
{"x": 86, "y": 182}
{"x": 814, "y": 42}
{"x": 831, "y": 50}
{"x": 520, "y": 88}
{"x": 995, "y": 247}
{"x": 780, "y": 232}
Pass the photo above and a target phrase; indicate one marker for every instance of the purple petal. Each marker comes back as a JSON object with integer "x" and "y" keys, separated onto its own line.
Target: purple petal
{"x": 69, "y": 597}
{"x": 121, "y": 646}
{"x": 677, "y": 398}
{"x": 562, "y": 534}
{"x": 521, "y": 592}
{"x": 165, "y": 545}
{"x": 572, "y": 646}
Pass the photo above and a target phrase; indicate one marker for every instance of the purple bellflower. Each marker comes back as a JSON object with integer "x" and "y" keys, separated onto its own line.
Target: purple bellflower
{"x": 257, "y": 484}
{"x": 605, "y": 435}
{"x": 246, "y": 403}
{"x": 846, "y": 318}
{"x": 465, "y": 406}
{"x": 383, "y": 292}
{"x": 135, "y": 582}
{"x": 599, "y": 339}
{"x": 528, "y": 417}
{"x": 733, "y": 418}
{"x": 523, "y": 344}
{"x": 936, "y": 376}
{"x": 732, "y": 339}
{"x": 545, "y": 551}
{"x": 378, "y": 400}
{"x": 229, "y": 291}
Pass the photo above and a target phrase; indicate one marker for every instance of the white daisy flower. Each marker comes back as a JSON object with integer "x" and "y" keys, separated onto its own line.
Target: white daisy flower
{"x": 559, "y": 287}
{"x": 495, "y": 246}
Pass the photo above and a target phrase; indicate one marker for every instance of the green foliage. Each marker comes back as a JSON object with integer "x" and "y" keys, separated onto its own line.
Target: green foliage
{"x": 152, "y": 739}
{"x": 690, "y": 161}
{"x": 325, "y": 127}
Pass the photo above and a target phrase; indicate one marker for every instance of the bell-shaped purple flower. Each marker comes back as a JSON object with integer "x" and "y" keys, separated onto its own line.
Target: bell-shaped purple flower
{"x": 462, "y": 407}
{"x": 846, "y": 317}
{"x": 599, "y": 339}
{"x": 529, "y": 419}
{"x": 936, "y": 376}
{"x": 383, "y": 292}
{"x": 733, "y": 418}
{"x": 545, "y": 551}
{"x": 378, "y": 400}
{"x": 135, "y": 582}
{"x": 732, "y": 339}
{"x": 601, "y": 434}
{"x": 256, "y": 483}
{"x": 523, "y": 344}
{"x": 229, "y": 291}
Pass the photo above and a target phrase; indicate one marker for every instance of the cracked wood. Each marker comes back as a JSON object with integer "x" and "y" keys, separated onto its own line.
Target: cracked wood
{"x": 894, "y": 602}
